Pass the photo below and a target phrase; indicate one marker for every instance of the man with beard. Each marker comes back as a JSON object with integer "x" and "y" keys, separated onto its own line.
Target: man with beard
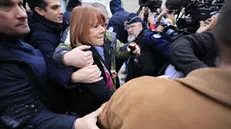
{"x": 154, "y": 49}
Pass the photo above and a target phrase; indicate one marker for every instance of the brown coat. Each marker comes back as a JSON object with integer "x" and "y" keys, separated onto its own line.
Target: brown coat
{"x": 202, "y": 100}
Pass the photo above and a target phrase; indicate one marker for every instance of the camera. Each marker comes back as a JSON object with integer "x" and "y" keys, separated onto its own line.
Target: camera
{"x": 194, "y": 12}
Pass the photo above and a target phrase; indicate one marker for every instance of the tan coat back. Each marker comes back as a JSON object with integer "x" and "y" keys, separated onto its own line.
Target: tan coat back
{"x": 202, "y": 100}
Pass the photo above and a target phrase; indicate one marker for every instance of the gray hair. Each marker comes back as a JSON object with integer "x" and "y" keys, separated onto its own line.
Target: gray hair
{"x": 101, "y": 7}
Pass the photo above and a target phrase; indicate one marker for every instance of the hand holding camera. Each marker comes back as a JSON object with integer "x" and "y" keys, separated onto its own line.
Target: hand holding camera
{"x": 207, "y": 25}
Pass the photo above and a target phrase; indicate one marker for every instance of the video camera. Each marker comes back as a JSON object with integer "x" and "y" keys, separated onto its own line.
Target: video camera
{"x": 194, "y": 12}
{"x": 188, "y": 20}
{"x": 189, "y": 14}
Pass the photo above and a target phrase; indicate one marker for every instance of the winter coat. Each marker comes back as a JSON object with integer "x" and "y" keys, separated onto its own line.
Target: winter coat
{"x": 194, "y": 51}
{"x": 202, "y": 100}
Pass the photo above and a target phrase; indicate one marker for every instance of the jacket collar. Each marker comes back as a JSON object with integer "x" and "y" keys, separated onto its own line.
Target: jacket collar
{"x": 96, "y": 54}
{"x": 213, "y": 82}
{"x": 9, "y": 39}
{"x": 38, "y": 22}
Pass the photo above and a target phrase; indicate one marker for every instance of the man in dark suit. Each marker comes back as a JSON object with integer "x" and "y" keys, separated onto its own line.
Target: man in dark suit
{"x": 22, "y": 74}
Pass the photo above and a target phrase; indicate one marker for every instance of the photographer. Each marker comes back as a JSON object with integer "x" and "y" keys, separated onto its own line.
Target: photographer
{"x": 156, "y": 16}
{"x": 195, "y": 51}
{"x": 166, "y": 16}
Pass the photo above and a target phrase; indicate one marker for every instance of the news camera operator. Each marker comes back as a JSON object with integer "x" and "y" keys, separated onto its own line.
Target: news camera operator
{"x": 195, "y": 51}
{"x": 189, "y": 13}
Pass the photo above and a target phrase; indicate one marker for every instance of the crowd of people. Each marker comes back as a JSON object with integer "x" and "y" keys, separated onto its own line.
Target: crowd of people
{"x": 66, "y": 70}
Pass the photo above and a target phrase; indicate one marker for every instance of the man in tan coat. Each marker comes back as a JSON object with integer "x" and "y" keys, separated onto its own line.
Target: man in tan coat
{"x": 202, "y": 100}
